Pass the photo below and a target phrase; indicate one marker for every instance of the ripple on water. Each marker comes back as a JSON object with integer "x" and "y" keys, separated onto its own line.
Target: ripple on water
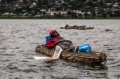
{"x": 7, "y": 54}
{"x": 18, "y": 39}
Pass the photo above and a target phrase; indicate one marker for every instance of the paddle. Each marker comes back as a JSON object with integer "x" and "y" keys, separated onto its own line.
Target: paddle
{"x": 56, "y": 55}
{"x": 57, "y": 52}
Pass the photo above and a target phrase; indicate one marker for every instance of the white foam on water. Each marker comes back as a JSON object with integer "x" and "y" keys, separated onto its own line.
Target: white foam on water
{"x": 41, "y": 58}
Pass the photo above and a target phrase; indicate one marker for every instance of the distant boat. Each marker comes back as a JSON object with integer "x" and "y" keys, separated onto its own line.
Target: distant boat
{"x": 76, "y": 27}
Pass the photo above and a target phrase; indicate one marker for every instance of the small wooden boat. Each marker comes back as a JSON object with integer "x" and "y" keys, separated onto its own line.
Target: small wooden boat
{"x": 94, "y": 57}
{"x": 76, "y": 27}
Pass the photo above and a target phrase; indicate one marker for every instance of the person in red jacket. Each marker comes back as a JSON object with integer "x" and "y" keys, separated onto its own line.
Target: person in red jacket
{"x": 54, "y": 38}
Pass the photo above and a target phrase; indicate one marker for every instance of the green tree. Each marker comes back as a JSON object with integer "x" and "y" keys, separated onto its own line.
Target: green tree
{"x": 8, "y": 1}
{"x": 69, "y": 13}
{"x": 117, "y": 13}
{"x": 100, "y": 11}
{"x": 86, "y": 15}
{"x": 58, "y": 15}
{"x": 24, "y": 1}
{"x": 104, "y": 14}
{"x": 2, "y": 1}
{"x": 44, "y": 2}
{"x": 58, "y": 8}
{"x": 39, "y": 3}
{"x": 17, "y": 11}
{"x": 93, "y": 13}
{"x": 73, "y": 15}
{"x": 28, "y": 9}
{"x": 109, "y": 13}
{"x": 90, "y": 3}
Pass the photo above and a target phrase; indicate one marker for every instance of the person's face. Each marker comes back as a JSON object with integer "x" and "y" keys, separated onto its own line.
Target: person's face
{"x": 55, "y": 34}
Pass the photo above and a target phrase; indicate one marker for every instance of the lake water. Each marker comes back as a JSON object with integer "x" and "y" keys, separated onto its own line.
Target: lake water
{"x": 19, "y": 37}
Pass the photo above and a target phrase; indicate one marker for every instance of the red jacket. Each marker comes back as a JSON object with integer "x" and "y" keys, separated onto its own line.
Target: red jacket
{"x": 54, "y": 41}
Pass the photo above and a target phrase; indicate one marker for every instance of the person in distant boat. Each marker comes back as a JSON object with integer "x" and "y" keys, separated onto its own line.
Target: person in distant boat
{"x": 66, "y": 25}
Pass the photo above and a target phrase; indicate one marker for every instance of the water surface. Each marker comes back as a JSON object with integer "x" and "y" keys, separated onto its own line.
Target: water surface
{"x": 18, "y": 39}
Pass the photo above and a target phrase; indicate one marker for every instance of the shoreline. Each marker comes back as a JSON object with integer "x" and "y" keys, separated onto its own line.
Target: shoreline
{"x": 11, "y": 17}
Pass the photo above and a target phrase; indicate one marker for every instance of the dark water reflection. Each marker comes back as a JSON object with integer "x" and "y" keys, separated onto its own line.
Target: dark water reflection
{"x": 18, "y": 39}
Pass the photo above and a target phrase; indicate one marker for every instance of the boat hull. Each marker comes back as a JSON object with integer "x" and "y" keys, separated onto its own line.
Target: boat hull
{"x": 94, "y": 57}
{"x": 77, "y": 27}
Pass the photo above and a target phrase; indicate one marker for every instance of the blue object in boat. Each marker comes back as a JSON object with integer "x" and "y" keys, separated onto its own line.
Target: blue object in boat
{"x": 47, "y": 39}
{"x": 84, "y": 48}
